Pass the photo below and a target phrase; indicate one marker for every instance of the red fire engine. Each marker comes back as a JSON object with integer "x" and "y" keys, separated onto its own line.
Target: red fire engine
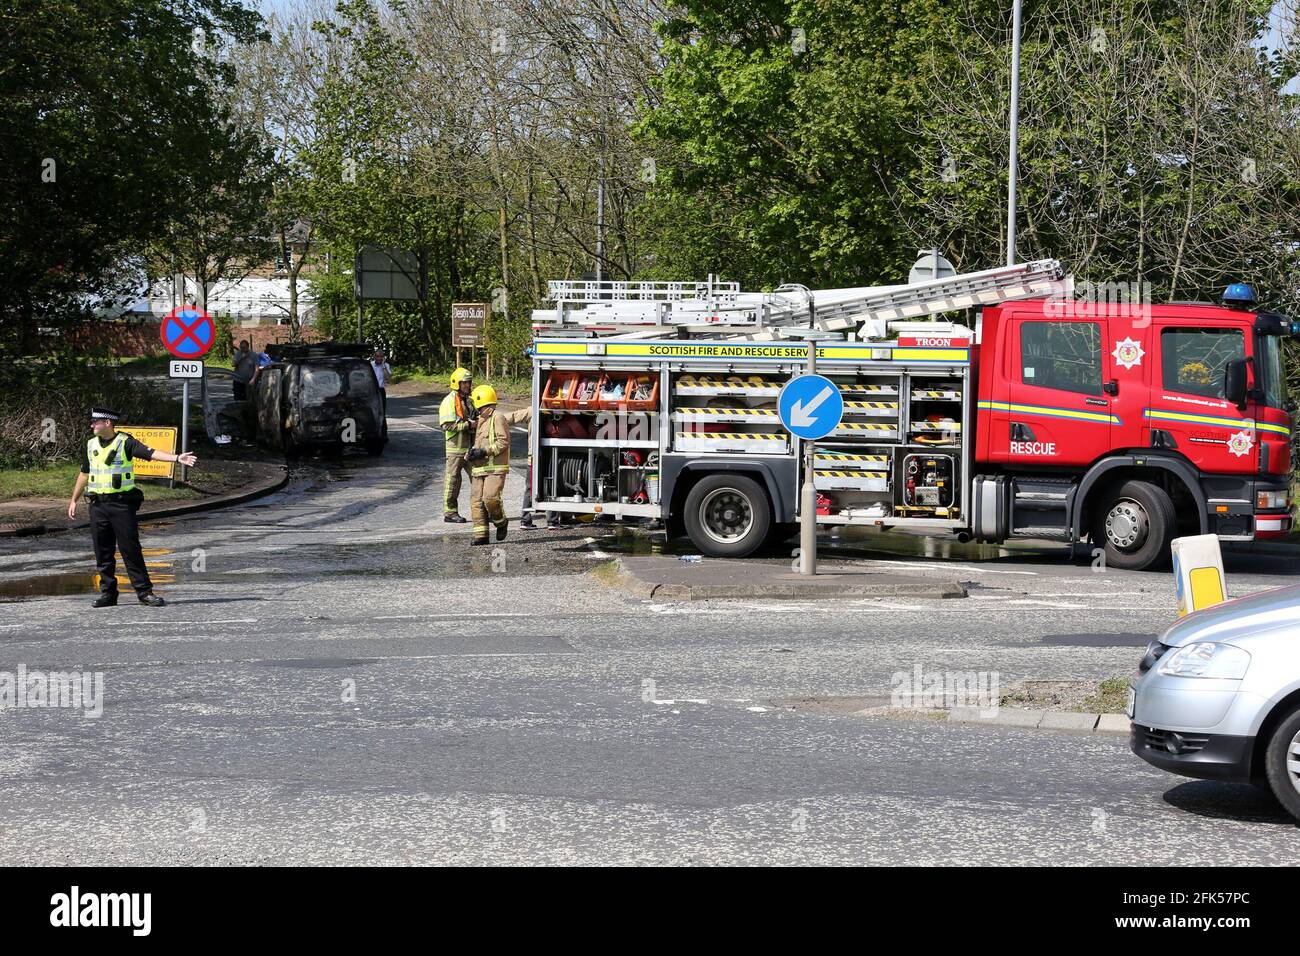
{"x": 1125, "y": 424}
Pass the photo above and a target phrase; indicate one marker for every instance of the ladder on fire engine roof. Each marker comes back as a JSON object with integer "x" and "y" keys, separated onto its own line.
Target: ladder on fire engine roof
{"x": 644, "y": 309}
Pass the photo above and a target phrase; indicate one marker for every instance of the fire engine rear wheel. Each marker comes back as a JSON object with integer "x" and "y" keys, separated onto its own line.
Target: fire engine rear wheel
{"x": 727, "y": 516}
{"x": 1134, "y": 525}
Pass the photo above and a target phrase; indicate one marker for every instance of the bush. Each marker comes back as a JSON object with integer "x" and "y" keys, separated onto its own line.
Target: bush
{"x": 223, "y": 343}
{"x": 46, "y": 415}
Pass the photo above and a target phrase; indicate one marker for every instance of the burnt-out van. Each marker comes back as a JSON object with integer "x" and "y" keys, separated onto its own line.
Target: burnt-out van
{"x": 322, "y": 396}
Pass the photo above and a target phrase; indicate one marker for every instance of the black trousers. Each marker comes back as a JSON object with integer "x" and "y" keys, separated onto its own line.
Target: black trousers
{"x": 113, "y": 527}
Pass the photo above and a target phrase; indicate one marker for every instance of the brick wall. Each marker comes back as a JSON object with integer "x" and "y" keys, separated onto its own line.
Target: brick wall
{"x": 126, "y": 340}
{"x": 260, "y": 336}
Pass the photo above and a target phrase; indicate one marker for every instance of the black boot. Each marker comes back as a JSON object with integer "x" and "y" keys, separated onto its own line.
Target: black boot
{"x": 106, "y": 600}
{"x": 152, "y": 600}
{"x": 478, "y": 541}
{"x": 453, "y": 519}
{"x": 501, "y": 531}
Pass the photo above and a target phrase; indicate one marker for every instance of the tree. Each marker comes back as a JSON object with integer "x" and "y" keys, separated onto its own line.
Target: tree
{"x": 782, "y": 122}
{"x": 99, "y": 100}
{"x": 278, "y": 82}
{"x": 220, "y": 233}
{"x": 1158, "y": 145}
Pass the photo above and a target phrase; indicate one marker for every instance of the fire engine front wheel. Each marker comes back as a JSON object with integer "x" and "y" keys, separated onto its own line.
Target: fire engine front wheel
{"x": 1134, "y": 525}
{"x": 727, "y": 516}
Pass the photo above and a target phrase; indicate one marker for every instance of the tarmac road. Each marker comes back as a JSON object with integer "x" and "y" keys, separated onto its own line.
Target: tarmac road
{"x": 339, "y": 678}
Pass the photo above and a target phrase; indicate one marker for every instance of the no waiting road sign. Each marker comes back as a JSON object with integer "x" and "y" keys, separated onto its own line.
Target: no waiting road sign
{"x": 187, "y": 332}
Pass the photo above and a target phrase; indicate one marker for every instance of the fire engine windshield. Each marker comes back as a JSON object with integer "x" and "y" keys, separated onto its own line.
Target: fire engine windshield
{"x": 1273, "y": 371}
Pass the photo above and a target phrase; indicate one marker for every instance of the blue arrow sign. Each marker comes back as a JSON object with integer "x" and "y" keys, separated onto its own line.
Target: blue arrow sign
{"x": 811, "y": 406}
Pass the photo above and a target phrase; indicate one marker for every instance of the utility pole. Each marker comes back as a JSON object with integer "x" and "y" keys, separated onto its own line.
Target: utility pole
{"x": 600, "y": 216}
{"x": 1015, "y": 134}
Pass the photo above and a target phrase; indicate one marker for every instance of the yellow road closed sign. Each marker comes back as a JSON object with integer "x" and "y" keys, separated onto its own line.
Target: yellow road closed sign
{"x": 159, "y": 438}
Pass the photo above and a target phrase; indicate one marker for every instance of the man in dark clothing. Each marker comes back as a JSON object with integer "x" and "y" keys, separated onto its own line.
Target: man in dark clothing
{"x": 108, "y": 479}
{"x": 245, "y": 369}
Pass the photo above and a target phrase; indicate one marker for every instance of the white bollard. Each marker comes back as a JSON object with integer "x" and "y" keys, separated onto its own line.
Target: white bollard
{"x": 1198, "y": 573}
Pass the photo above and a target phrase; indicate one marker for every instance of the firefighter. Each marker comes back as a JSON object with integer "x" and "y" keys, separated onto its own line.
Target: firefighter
{"x": 489, "y": 464}
{"x": 108, "y": 479}
{"x": 456, "y": 415}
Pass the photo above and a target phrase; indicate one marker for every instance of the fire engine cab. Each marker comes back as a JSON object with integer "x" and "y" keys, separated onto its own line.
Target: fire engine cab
{"x": 1038, "y": 416}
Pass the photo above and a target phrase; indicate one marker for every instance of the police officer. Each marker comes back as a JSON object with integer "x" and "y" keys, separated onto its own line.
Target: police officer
{"x": 108, "y": 479}
{"x": 457, "y": 416}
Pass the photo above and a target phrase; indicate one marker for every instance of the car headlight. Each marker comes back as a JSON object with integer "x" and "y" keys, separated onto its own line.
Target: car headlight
{"x": 1222, "y": 661}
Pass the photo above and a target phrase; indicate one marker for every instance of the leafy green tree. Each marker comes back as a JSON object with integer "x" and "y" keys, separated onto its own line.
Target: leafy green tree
{"x": 783, "y": 122}
{"x": 99, "y": 103}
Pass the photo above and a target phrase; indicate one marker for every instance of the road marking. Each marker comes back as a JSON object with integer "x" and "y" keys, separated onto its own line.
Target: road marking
{"x": 170, "y": 623}
{"x": 439, "y": 617}
{"x": 595, "y": 549}
{"x": 944, "y": 566}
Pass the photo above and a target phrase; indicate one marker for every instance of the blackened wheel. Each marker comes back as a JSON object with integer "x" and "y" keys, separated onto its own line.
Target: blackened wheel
{"x": 1134, "y": 525}
{"x": 727, "y": 516}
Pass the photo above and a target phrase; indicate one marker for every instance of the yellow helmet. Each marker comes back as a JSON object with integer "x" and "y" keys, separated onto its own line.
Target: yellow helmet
{"x": 483, "y": 395}
{"x": 460, "y": 375}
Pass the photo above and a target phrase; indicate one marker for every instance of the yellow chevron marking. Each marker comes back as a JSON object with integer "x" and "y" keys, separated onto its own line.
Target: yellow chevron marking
{"x": 865, "y": 426}
{"x": 752, "y": 381}
{"x": 770, "y": 412}
{"x": 833, "y": 456}
{"x": 873, "y": 475}
{"x": 751, "y": 436}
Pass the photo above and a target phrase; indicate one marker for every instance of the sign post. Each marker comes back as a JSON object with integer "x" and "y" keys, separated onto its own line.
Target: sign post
{"x": 811, "y": 407}
{"x": 382, "y": 273}
{"x": 467, "y": 321}
{"x": 187, "y": 333}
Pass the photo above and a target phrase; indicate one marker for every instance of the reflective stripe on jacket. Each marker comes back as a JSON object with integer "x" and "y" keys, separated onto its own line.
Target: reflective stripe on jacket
{"x": 493, "y": 436}
{"x": 111, "y": 469}
{"x": 454, "y": 416}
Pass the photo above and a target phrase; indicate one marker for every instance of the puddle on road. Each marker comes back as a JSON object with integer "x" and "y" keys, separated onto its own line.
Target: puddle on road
{"x": 161, "y": 563}
{"x": 50, "y": 585}
{"x": 436, "y": 558}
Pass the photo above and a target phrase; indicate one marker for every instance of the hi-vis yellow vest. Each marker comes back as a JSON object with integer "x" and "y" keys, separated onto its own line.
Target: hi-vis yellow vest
{"x": 108, "y": 462}
{"x": 458, "y": 441}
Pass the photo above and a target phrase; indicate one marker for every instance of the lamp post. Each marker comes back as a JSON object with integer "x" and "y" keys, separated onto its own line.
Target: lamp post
{"x": 1015, "y": 133}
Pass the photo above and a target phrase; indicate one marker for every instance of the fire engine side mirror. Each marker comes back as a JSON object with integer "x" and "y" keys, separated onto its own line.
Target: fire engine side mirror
{"x": 1234, "y": 382}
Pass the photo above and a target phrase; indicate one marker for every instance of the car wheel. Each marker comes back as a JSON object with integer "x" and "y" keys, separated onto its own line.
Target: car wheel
{"x": 727, "y": 516}
{"x": 1282, "y": 763}
{"x": 1134, "y": 526}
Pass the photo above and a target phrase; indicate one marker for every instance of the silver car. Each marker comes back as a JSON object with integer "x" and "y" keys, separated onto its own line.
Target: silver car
{"x": 1218, "y": 695}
